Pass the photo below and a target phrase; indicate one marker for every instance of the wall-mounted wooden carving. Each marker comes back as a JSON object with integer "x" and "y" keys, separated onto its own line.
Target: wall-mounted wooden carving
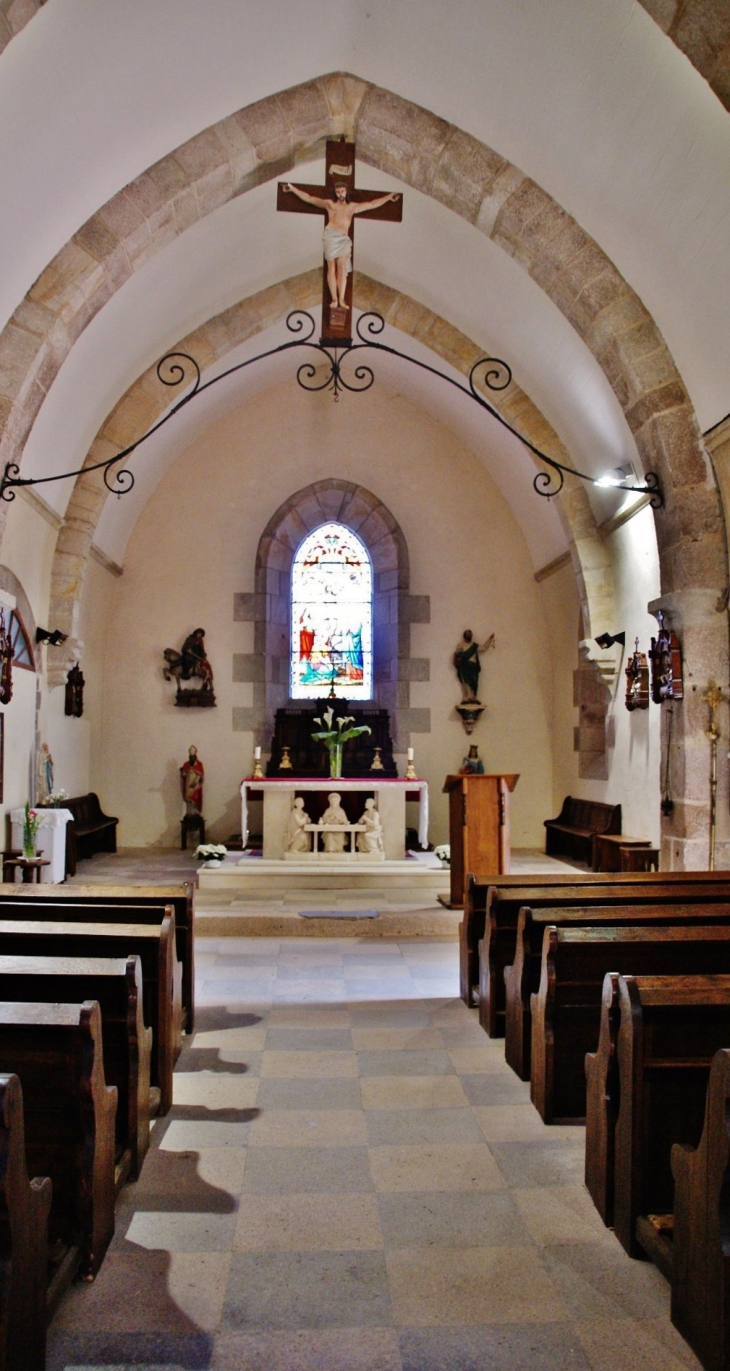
{"x": 666, "y": 665}
{"x": 637, "y": 680}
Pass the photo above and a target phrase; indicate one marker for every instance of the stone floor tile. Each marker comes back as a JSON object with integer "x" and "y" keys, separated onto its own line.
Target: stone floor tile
{"x": 521, "y": 1123}
{"x": 341, "y": 1349}
{"x": 130, "y": 1295}
{"x": 388, "y": 1014}
{"x": 423, "y": 1062}
{"x": 310, "y": 992}
{"x": 197, "y": 1283}
{"x": 311, "y": 1017}
{"x": 183, "y": 1136}
{"x": 214, "y": 1090}
{"x": 396, "y": 1039}
{"x": 642, "y": 1344}
{"x": 497, "y": 1088}
{"x": 310, "y": 956}
{"x": 470, "y": 1285}
{"x": 175, "y": 1232}
{"x": 451, "y": 1219}
{"x": 333, "y": 1092}
{"x": 598, "y": 1281}
{"x": 112, "y": 1351}
{"x": 404, "y": 1127}
{"x": 299, "y": 1170}
{"x": 412, "y": 1092}
{"x": 469, "y": 1035}
{"x": 438, "y": 1167}
{"x": 309, "y": 1128}
{"x": 308, "y": 1064}
{"x": 526, "y": 1164}
{"x": 503, "y": 1347}
{"x": 308, "y": 1223}
{"x": 253, "y": 970}
{"x": 309, "y": 1039}
{"x": 361, "y": 970}
{"x": 480, "y": 1060}
{"x": 561, "y": 1213}
{"x": 203, "y": 1181}
{"x": 309, "y": 970}
{"x": 306, "y": 1290}
{"x": 401, "y": 989}
{"x": 240, "y": 1039}
{"x": 240, "y": 991}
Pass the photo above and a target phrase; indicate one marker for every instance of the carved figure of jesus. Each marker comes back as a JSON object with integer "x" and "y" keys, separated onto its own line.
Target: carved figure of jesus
{"x": 336, "y": 236}
{"x": 468, "y": 666}
{"x": 334, "y": 814}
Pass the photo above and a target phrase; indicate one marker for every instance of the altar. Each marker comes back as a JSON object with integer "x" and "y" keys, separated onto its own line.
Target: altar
{"x": 390, "y": 795}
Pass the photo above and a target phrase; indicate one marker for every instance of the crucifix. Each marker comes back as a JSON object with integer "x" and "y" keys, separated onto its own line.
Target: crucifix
{"x": 338, "y": 200}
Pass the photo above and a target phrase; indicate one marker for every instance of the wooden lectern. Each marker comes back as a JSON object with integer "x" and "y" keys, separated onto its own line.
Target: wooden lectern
{"x": 478, "y": 829}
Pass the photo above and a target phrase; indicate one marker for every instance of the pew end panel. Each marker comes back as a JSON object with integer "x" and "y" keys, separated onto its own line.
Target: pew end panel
{"x": 602, "y": 1101}
{"x": 701, "y": 1256}
{"x": 24, "y": 1210}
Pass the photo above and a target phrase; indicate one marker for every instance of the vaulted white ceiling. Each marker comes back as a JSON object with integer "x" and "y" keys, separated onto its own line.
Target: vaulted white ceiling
{"x": 586, "y": 96}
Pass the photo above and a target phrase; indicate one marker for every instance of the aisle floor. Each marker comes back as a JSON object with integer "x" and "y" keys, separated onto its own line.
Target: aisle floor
{"x": 351, "y": 1179}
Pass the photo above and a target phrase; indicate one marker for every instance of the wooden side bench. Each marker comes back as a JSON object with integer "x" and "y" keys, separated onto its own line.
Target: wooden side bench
{"x": 24, "y": 1209}
{"x": 700, "y": 1256}
{"x": 181, "y": 897}
{"x": 90, "y": 830}
{"x": 571, "y": 834}
{"x": 56, "y": 1051}
{"x": 522, "y": 979}
{"x": 154, "y": 944}
{"x": 566, "y": 1011}
{"x": 117, "y": 986}
{"x": 497, "y": 947}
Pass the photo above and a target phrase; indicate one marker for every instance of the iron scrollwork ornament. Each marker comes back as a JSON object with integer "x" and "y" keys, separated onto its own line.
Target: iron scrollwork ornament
{"x": 666, "y": 665}
{"x": 6, "y": 662}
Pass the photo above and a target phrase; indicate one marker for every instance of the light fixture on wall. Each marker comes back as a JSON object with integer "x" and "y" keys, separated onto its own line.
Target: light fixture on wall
{"x": 54, "y": 637}
{"x": 488, "y": 373}
{"x": 607, "y": 640}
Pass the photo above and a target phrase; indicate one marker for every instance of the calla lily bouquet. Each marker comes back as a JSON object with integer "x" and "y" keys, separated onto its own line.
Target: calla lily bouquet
{"x": 336, "y": 734}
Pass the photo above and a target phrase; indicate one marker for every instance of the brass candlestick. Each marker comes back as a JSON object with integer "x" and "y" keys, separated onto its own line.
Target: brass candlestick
{"x": 377, "y": 763}
{"x": 713, "y": 697}
{"x": 285, "y": 763}
{"x": 257, "y": 773}
{"x": 410, "y": 770}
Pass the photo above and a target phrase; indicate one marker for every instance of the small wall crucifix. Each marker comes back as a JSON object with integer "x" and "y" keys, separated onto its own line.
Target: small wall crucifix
{"x": 340, "y": 202}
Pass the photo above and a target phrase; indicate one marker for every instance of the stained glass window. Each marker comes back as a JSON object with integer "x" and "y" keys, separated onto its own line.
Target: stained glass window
{"x": 331, "y": 616}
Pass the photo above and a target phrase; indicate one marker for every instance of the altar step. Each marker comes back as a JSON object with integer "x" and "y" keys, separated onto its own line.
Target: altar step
{"x": 248, "y": 874}
{"x": 235, "y": 920}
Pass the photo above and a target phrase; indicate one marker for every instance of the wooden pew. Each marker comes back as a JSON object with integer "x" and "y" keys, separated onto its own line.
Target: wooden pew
{"x": 522, "y": 979}
{"x": 154, "y": 944}
{"x": 602, "y": 1101}
{"x": 24, "y": 1208}
{"x": 181, "y": 897}
{"x": 69, "y": 1111}
{"x": 117, "y": 986}
{"x": 700, "y": 1256}
{"x": 566, "y": 1010}
{"x": 497, "y": 947}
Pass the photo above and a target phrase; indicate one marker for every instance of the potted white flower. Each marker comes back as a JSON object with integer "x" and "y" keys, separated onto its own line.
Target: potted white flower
{"x": 213, "y": 854}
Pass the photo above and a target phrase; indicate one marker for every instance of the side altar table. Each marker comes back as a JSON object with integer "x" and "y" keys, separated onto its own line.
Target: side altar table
{"x": 478, "y": 829}
{"x": 389, "y": 795}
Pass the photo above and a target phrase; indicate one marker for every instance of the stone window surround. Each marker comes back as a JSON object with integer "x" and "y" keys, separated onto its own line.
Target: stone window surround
{"x": 268, "y": 607}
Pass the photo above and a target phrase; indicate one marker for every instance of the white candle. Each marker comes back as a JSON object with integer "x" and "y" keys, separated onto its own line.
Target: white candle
{"x": 410, "y": 754}
{"x": 257, "y": 754}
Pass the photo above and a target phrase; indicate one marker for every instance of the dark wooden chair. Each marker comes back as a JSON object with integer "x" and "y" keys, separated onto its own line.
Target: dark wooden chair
{"x": 69, "y": 1112}
{"x": 24, "y": 1209}
{"x": 191, "y": 823}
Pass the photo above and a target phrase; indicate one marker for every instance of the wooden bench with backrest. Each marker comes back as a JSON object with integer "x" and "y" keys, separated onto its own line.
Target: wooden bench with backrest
{"x": 522, "y": 979}
{"x": 56, "y": 1051}
{"x": 90, "y": 830}
{"x": 667, "y": 1030}
{"x": 497, "y": 947}
{"x": 24, "y": 1209}
{"x": 154, "y": 944}
{"x": 572, "y": 832}
{"x": 117, "y": 986}
{"x": 700, "y": 1254}
{"x": 566, "y": 1011}
{"x": 115, "y": 899}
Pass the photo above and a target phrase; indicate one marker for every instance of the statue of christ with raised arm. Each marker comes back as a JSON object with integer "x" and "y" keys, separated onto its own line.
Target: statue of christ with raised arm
{"x": 336, "y": 239}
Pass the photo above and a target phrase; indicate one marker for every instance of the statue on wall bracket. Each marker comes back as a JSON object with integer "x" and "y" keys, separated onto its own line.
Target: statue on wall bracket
{"x": 666, "y": 664}
{"x": 468, "y": 669}
{"x": 74, "y": 693}
{"x": 190, "y": 662}
{"x": 637, "y": 681}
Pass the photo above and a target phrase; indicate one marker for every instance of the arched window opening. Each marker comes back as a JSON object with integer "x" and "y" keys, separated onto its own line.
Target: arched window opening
{"x": 22, "y": 650}
{"x": 331, "y": 616}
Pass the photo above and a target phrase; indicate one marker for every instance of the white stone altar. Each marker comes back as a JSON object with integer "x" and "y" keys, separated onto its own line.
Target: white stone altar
{"x": 390, "y": 798}
{"x": 51, "y": 839}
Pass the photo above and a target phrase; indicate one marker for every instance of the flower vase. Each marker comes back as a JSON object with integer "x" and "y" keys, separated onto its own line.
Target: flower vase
{"x": 336, "y": 760}
{"x": 29, "y": 849}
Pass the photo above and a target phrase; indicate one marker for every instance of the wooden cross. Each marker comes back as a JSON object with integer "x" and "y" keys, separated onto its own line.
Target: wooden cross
{"x": 339, "y": 170}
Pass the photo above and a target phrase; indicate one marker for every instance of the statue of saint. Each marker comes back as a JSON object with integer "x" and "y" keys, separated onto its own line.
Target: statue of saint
{"x": 297, "y": 840}
{"x": 334, "y": 814}
{"x": 194, "y": 659}
{"x": 45, "y": 774}
{"x": 468, "y": 666}
{"x": 336, "y": 236}
{"x": 473, "y": 764}
{"x": 371, "y": 841}
{"x": 192, "y": 774}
